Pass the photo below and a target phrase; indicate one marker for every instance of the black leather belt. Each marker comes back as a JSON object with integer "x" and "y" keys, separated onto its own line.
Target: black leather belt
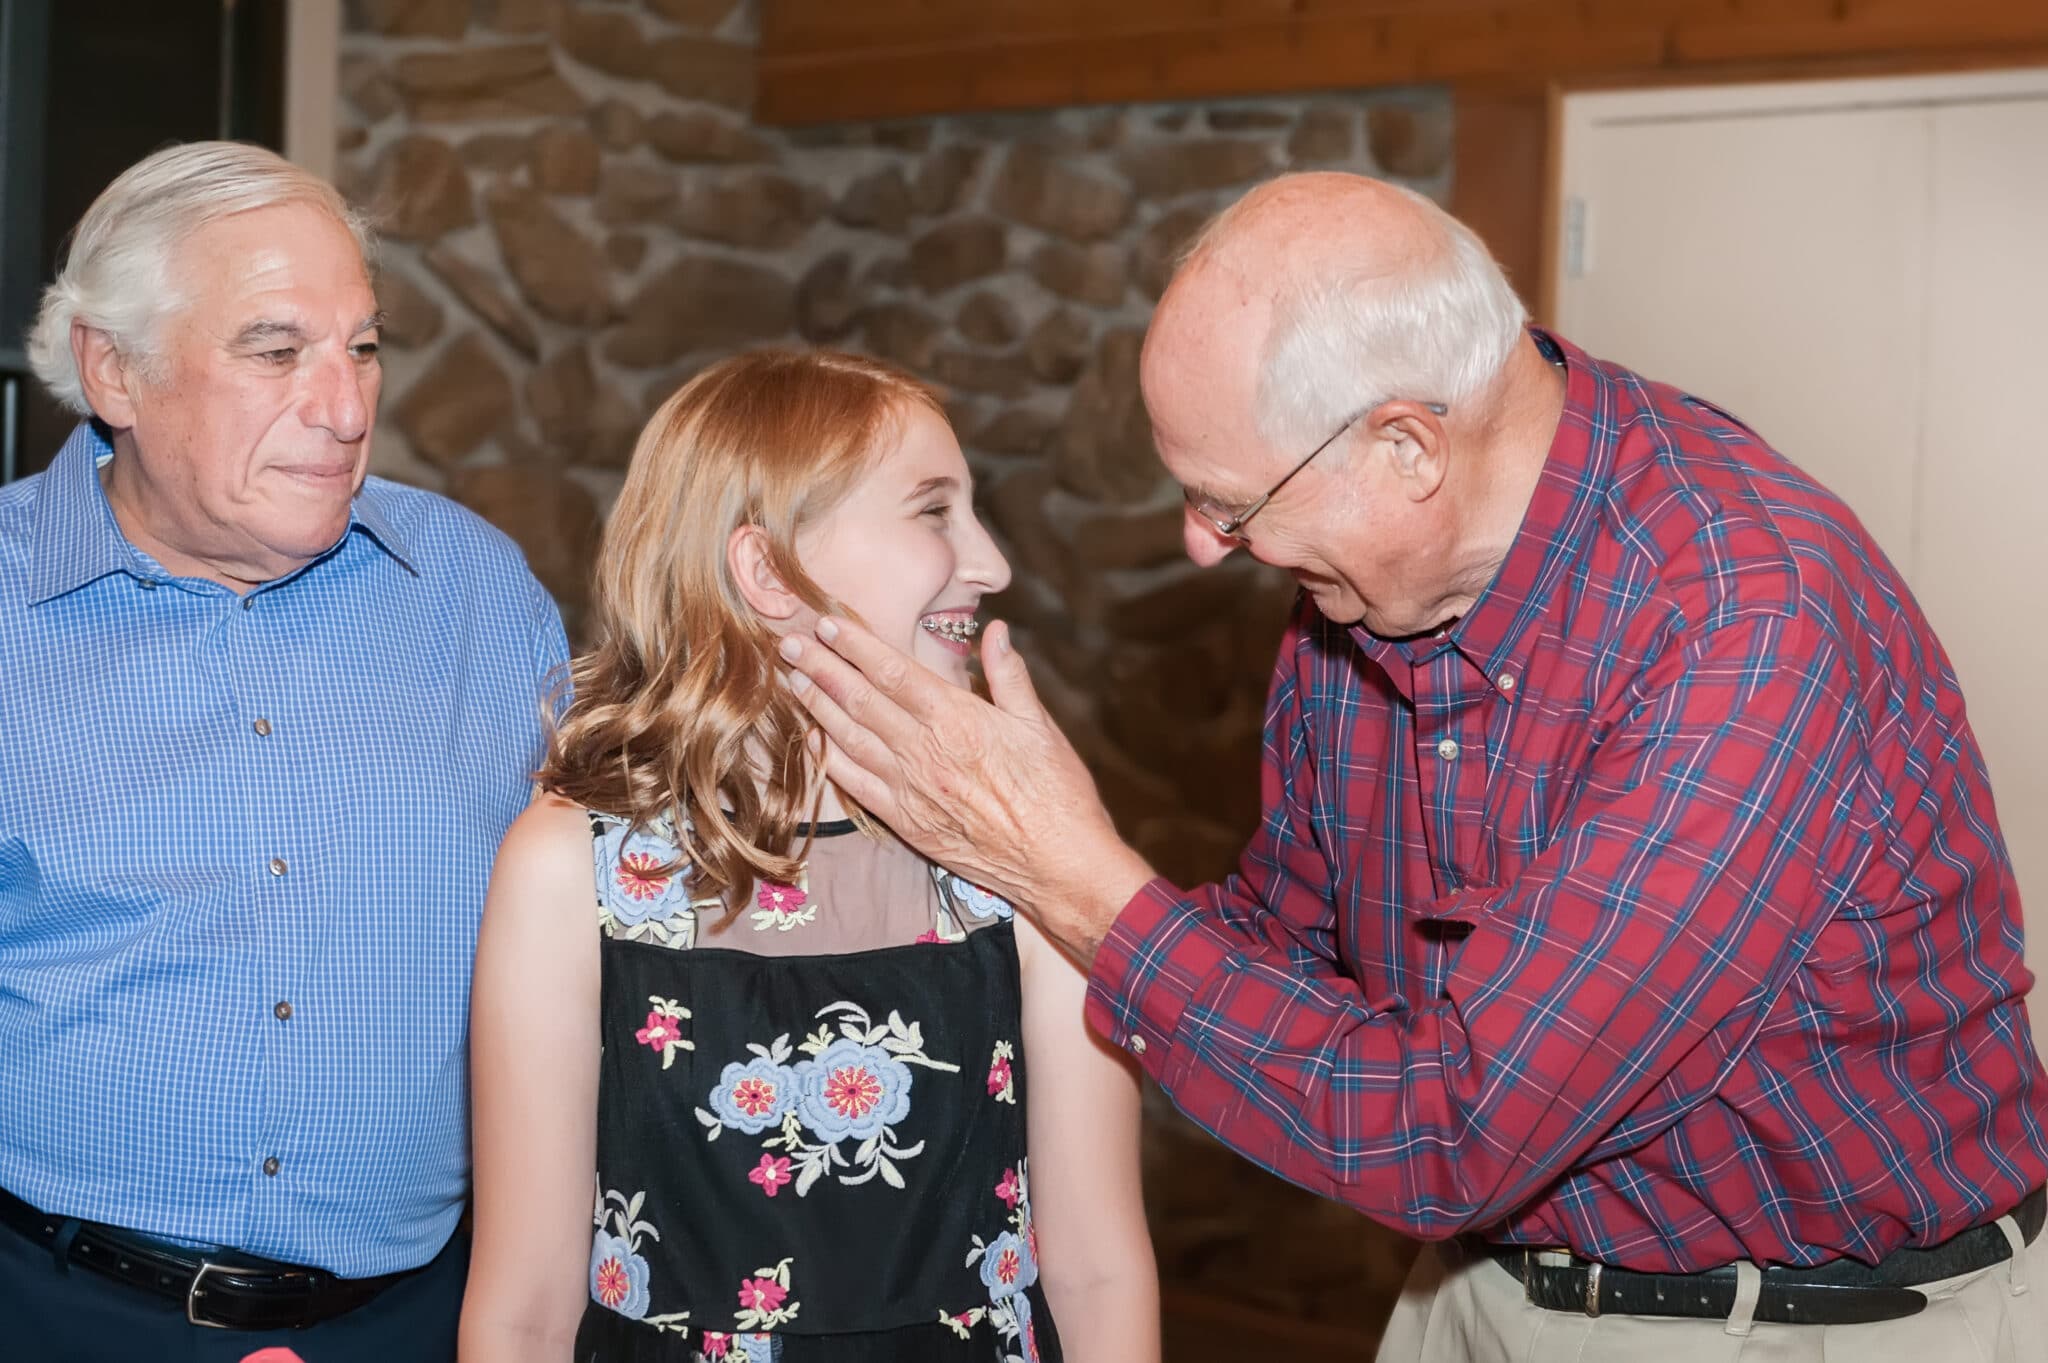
{"x": 232, "y": 1292}
{"x": 1840, "y": 1292}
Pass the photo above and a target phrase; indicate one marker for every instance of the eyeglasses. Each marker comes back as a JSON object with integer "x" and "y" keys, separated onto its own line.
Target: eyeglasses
{"x": 1229, "y": 523}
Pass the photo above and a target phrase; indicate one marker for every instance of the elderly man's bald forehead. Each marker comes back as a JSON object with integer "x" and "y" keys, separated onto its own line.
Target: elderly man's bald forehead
{"x": 1280, "y": 242}
{"x": 1201, "y": 352}
{"x": 1303, "y": 223}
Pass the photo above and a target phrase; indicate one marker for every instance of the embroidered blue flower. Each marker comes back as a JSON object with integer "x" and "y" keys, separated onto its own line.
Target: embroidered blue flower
{"x": 618, "y": 1276}
{"x": 752, "y": 1097}
{"x": 852, "y": 1090}
{"x": 632, "y": 879}
{"x": 1026, "y": 1328}
{"x": 976, "y": 900}
{"x": 1007, "y": 1267}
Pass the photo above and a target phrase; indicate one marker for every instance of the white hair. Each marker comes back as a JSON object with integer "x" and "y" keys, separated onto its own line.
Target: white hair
{"x": 1438, "y": 331}
{"x": 116, "y": 277}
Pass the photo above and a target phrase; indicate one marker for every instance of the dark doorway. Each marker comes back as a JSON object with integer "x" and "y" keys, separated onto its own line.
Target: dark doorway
{"x": 88, "y": 87}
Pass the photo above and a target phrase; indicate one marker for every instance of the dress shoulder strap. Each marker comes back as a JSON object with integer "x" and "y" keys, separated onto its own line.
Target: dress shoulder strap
{"x": 964, "y": 906}
{"x": 644, "y": 883}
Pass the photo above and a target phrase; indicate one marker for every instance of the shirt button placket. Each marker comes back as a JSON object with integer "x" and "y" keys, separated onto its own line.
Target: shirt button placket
{"x": 277, "y": 866}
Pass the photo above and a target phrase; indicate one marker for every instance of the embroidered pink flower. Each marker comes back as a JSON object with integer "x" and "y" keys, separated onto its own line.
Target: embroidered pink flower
{"x": 754, "y": 1095}
{"x": 612, "y": 1282}
{"x": 1009, "y": 1265}
{"x": 928, "y": 937}
{"x": 999, "y": 1076}
{"x": 715, "y": 1345}
{"x": 761, "y": 1294}
{"x": 1010, "y": 1190}
{"x": 780, "y": 899}
{"x": 640, "y": 875}
{"x": 852, "y": 1091}
{"x": 771, "y": 1174}
{"x": 661, "y": 1031}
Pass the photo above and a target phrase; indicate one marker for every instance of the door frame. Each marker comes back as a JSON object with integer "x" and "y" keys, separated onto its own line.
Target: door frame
{"x": 1819, "y": 78}
{"x": 312, "y": 84}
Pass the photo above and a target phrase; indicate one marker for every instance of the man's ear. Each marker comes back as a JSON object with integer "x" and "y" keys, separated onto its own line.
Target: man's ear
{"x": 746, "y": 554}
{"x": 1416, "y": 443}
{"x": 104, "y": 375}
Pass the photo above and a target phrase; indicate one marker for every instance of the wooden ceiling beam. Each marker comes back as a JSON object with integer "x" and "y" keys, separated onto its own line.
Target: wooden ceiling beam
{"x": 830, "y": 61}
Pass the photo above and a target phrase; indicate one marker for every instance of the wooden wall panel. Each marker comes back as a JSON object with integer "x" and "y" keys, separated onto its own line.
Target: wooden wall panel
{"x": 827, "y": 60}
{"x": 1500, "y": 182}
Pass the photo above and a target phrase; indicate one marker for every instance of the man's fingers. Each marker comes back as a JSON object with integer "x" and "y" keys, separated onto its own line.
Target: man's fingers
{"x": 1009, "y": 680}
{"x": 846, "y": 735}
{"x": 911, "y": 685}
{"x": 862, "y": 786}
{"x": 855, "y": 746}
{"x": 855, "y": 697}
{"x": 868, "y": 788}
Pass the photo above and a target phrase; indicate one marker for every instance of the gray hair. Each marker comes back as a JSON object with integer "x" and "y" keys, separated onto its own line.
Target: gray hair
{"x": 117, "y": 275}
{"x": 1437, "y": 332}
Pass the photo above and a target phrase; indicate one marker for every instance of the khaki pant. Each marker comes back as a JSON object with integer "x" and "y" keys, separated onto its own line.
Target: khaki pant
{"x": 1460, "y": 1308}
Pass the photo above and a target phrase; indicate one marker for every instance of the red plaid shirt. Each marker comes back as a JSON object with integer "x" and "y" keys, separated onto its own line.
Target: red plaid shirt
{"x": 1656, "y": 908}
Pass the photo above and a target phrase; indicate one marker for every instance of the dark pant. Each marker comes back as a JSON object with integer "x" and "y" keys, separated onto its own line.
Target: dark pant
{"x": 53, "y": 1314}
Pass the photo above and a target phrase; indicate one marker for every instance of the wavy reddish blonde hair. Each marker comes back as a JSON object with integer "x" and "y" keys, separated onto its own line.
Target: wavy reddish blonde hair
{"x": 677, "y": 711}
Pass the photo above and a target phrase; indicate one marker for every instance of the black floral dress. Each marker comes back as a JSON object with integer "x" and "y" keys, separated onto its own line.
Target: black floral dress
{"x": 811, "y": 1141}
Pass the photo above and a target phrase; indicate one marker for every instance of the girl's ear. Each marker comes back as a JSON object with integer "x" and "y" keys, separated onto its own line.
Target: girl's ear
{"x": 746, "y": 554}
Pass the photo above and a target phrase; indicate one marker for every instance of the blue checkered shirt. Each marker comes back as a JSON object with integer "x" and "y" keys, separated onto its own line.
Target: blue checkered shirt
{"x": 243, "y": 848}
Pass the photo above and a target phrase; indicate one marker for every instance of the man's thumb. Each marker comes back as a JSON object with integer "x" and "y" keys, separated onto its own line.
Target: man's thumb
{"x": 1009, "y": 681}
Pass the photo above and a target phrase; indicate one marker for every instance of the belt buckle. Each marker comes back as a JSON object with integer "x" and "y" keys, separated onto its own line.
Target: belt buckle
{"x": 1592, "y": 1271}
{"x": 193, "y": 1293}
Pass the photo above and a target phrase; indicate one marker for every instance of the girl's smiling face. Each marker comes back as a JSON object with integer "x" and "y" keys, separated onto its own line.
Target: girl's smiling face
{"x": 903, "y": 549}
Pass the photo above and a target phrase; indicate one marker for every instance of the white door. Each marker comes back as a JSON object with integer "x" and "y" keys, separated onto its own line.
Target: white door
{"x": 1857, "y": 269}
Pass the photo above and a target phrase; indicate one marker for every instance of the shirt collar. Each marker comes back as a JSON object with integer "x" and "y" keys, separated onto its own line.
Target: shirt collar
{"x": 366, "y": 513}
{"x": 79, "y": 541}
{"x": 1567, "y": 498}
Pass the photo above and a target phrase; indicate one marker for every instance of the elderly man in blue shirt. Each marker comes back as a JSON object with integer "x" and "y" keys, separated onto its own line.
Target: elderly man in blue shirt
{"x": 266, "y": 719}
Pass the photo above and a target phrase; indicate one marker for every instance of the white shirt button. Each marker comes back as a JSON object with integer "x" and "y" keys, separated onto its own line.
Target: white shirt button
{"x": 1136, "y": 1044}
{"x": 1507, "y": 681}
{"x": 1448, "y": 750}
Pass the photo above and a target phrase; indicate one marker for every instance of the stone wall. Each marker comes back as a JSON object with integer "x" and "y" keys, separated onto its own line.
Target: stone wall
{"x": 578, "y": 215}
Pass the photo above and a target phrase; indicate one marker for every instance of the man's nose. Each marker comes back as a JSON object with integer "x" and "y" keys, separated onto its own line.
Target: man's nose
{"x": 1204, "y": 545}
{"x": 339, "y": 401}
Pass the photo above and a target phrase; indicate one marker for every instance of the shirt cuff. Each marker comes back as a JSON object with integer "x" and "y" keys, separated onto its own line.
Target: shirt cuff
{"x": 1151, "y": 966}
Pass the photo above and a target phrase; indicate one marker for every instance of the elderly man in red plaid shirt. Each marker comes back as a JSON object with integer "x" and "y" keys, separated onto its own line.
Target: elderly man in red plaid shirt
{"x": 1629, "y": 912}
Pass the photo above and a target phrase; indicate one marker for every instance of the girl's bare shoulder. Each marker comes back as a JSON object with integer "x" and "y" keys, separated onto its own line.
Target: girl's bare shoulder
{"x": 548, "y": 845}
